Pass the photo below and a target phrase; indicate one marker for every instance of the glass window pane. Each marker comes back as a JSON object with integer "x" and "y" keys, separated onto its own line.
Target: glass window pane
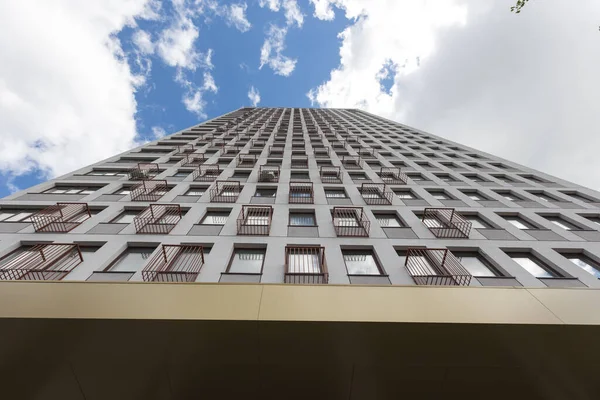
{"x": 304, "y": 263}
{"x": 388, "y": 220}
{"x": 247, "y": 261}
{"x": 302, "y": 219}
{"x": 125, "y": 217}
{"x": 132, "y": 260}
{"x": 586, "y": 265}
{"x": 361, "y": 263}
{"x": 532, "y": 267}
{"x": 215, "y": 218}
{"x": 5, "y": 215}
{"x": 475, "y": 266}
{"x": 195, "y": 192}
{"x": 517, "y": 223}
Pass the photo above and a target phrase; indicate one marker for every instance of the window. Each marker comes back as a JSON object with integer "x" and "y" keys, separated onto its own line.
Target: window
{"x": 584, "y": 262}
{"x": 97, "y": 172}
{"x": 302, "y": 218}
{"x": 533, "y": 265}
{"x": 509, "y": 196}
{"x": 389, "y": 220}
{"x": 519, "y": 222}
{"x": 475, "y": 196}
{"x": 358, "y": 176}
{"x": 405, "y": 194}
{"x": 71, "y": 190}
{"x": 361, "y": 262}
{"x": 195, "y": 191}
{"x": 131, "y": 260}
{"x": 562, "y": 223}
{"x": 580, "y": 197}
{"x": 11, "y": 215}
{"x": 241, "y": 174}
{"x": 543, "y": 196}
{"x": 477, "y": 222}
{"x": 265, "y": 192}
{"x": 181, "y": 174}
{"x": 124, "y": 191}
{"x": 592, "y": 218}
{"x": 503, "y": 178}
{"x": 126, "y": 217}
{"x": 416, "y": 177}
{"x": 475, "y": 263}
{"x": 475, "y": 178}
{"x": 299, "y": 176}
{"x": 246, "y": 261}
{"x": 439, "y": 195}
{"x": 335, "y": 194}
{"x": 446, "y": 178}
{"x": 215, "y": 217}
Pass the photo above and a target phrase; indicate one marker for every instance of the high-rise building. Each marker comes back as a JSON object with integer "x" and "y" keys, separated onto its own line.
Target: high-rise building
{"x": 300, "y": 253}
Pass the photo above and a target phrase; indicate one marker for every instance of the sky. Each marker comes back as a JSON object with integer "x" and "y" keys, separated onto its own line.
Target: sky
{"x": 81, "y": 81}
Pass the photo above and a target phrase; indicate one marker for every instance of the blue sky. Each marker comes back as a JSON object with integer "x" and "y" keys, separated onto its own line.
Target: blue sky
{"x": 82, "y": 81}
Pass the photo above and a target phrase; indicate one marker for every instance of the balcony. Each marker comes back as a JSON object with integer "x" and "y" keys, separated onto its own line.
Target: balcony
{"x": 246, "y": 160}
{"x": 436, "y": 267}
{"x": 393, "y": 176}
{"x": 143, "y": 171}
{"x": 376, "y": 194}
{"x": 206, "y": 173}
{"x": 258, "y": 143}
{"x": 62, "y": 217}
{"x": 276, "y": 151}
{"x": 149, "y": 190}
{"x": 43, "y": 262}
{"x": 350, "y": 221}
{"x": 157, "y": 219}
{"x": 268, "y": 173}
{"x": 305, "y": 265}
{"x": 255, "y": 220}
{"x": 322, "y": 153}
{"x": 367, "y": 152}
{"x": 174, "y": 263}
{"x": 330, "y": 174}
{"x": 352, "y": 162}
{"x": 299, "y": 162}
{"x": 301, "y": 193}
{"x": 225, "y": 191}
{"x": 184, "y": 149}
{"x": 192, "y": 160}
{"x": 446, "y": 223}
{"x": 231, "y": 150}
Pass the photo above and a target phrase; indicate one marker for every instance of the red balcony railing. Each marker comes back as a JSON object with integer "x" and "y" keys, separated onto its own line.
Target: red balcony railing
{"x": 376, "y": 194}
{"x": 367, "y": 152}
{"x": 446, "y": 223}
{"x": 231, "y": 150}
{"x": 255, "y": 220}
{"x": 192, "y": 160}
{"x": 301, "y": 193}
{"x": 174, "y": 263}
{"x": 436, "y": 267}
{"x": 225, "y": 191}
{"x": 350, "y": 221}
{"x": 62, "y": 217}
{"x": 184, "y": 149}
{"x": 393, "y": 176}
{"x": 352, "y": 162}
{"x": 305, "y": 265}
{"x": 149, "y": 190}
{"x": 157, "y": 219}
{"x": 268, "y": 173}
{"x": 143, "y": 171}
{"x": 206, "y": 172}
{"x": 330, "y": 174}
{"x": 246, "y": 160}
{"x": 43, "y": 262}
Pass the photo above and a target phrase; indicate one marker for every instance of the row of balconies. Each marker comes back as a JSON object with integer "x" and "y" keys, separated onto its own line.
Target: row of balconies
{"x": 182, "y": 263}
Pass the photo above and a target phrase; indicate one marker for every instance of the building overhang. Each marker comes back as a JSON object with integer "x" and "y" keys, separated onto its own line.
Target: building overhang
{"x": 75, "y": 340}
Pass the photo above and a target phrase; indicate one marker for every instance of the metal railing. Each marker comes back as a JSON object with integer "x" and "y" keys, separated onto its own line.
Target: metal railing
{"x": 62, "y": 217}
{"x": 246, "y": 160}
{"x": 330, "y": 174}
{"x": 157, "y": 219}
{"x": 323, "y": 153}
{"x": 305, "y": 265}
{"x": 367, "y": 152}
{"x": 275, "y": 151}
{"x": 446, "y": 223}
{"x": 393, "y": 176}
{"x": 143, "y": 171}
{"x": 301, "y": 193}
{"x": 184, "y": 149}
{"x": 269, "y": 173}
{"x": 255, "y": 220}
{"x": 352, "y": 162}
{"x": 42, "y": 262}
{"x": 258, "y": 143}
{"x": 231, "y": 150}
{"x": 149, "y": 190}
{"x": 376, "y": 194}
{"x": 174, "y": 263}
{"x": 193, "y": 159}
{"x": 350, "y": 221}
{"x": 206, "y": 172}
{"x": 436, "y": 267}
{"x": 299, "y": 162}
{"x": 225, "y": 191}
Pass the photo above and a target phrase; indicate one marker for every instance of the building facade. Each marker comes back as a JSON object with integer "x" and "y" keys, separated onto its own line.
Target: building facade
{"x": 363, "y": 219}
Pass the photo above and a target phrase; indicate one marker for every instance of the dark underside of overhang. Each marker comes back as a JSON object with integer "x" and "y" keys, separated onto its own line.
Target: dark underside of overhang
{"x": 190, "y": 359}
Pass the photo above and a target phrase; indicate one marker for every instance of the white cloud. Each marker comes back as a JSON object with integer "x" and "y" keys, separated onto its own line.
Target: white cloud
{"x": 293, "y": 15}
{"x": 209, "y": 83}
{"x": 254, "y": 96}
{"x": 270, "y": 53}
{"x": 273, "y": 5}
{"x": 143, "y": 42}
{"x": 323, "y": 9}
{"x": 521, "y": 86}
{"x": 158, "y": 132}
{"x": 66, "y": 91}
{"x": 236, "y": 16}
{"x": 176, "y": 44}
